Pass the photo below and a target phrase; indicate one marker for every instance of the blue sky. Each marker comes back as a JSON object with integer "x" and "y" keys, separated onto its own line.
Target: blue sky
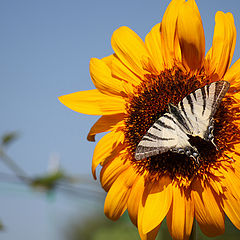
{"x": 45, "y": 48}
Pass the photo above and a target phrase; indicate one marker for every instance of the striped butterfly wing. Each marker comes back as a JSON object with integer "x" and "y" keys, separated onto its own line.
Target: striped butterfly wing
{"x": 199, "y": 107}
{"x": 166, "y": 134}
{"x": 193, "y": 116}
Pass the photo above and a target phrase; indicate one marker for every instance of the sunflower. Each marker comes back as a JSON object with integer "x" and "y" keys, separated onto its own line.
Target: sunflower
{"x": 133, "y": 89}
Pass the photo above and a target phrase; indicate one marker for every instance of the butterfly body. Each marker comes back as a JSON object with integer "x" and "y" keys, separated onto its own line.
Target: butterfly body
{"x": 192, "y": 117}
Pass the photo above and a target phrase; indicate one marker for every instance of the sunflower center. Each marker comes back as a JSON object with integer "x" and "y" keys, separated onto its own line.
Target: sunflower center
{"x": 150, "y": 101}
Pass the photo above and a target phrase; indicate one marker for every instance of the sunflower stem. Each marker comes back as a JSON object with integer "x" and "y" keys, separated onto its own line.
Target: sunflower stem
{"x": 193, "y": 235}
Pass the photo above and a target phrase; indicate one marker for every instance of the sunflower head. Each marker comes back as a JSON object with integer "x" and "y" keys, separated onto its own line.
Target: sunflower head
{"x": 134, "y": 88}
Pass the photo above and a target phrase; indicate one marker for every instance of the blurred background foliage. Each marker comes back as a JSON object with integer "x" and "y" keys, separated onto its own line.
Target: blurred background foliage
{"x": 95, "y": 225}
{"x": 98, "y": 227}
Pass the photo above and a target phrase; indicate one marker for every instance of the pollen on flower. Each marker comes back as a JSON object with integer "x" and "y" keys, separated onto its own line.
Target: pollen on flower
{"x": 150, "y": 101}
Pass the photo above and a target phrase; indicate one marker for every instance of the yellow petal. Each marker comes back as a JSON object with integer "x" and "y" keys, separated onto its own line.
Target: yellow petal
{"x": 103, "y": 80}
{"x": 233, "y": 75}
{"x": 93, "y": 102}
{"x": 107, "y": 148}
{"x": 168, "y": 33}
{"x": 191, "y": 35}
{"x": 220, "y": 55}
{"x": 231, "y": 195}
{"x": 120, "y": 71}
{"x": 117, "y": 197}
{"x": 180, "y": 215}
{"x": 216, "y": 183}
{"x": 134, "y": 199}
{"x": 108, "y": 60}
{"x": 104, "y": 124}
{"x": 130, "y": 49}
{"x": 208, "y": 211}
{"x": 232, "y": 181}
{"x": 154, "y": 47}
{"x": 110, "y": 172}
{"x": 128, "y": 88}
{"x": 230, "y": 205}
{"x": 152, "y": 234}
{"x": 237, "y": 162}
{"x": 159, "y": 194}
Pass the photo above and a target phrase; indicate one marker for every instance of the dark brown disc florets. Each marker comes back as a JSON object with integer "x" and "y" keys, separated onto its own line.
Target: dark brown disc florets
{"x": 150, "y": 101}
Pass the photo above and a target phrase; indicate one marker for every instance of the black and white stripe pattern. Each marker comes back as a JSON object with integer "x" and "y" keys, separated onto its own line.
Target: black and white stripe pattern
{"x": 193, "y": 116}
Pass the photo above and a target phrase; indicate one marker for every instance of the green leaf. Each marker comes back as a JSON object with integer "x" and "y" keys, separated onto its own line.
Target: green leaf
{"x": 9, "y": 138}
{"x": 47, "y": 182}
{"x": 1, "y": 226}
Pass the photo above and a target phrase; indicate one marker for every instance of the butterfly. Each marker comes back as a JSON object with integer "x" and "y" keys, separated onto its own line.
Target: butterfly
{"x": 192, "y": 117}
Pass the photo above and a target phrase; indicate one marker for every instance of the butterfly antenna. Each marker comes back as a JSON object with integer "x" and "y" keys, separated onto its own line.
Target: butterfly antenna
{"x": 224, "y": 153}
{"x": 229, "y": 157}
{"x": 214, "y": 144}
